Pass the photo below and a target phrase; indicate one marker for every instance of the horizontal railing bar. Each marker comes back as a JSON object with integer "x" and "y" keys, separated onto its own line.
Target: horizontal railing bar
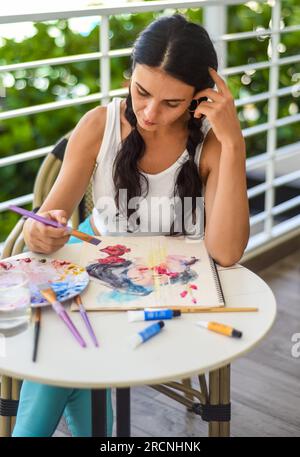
{"x": 134, "y": 7}
{"x": 127, "y": 51}
{"x": 257, "y": 161}
{"x": 285, "y": 226}
{"x": 276, "y": 182}
{"x": 50, "y": 106}
{"x": 19, "y": 201}
{"x": 260, "y": 65}
{"x": 257, "y": 240}
{"x": 25, "y": 156}
{"x": 250, "y": 131}
{"x": 287, "y": 151}
{"x": 65, "y": 60}
{"x": 253, "y": 34}
{"x": 284, "y": 179}
{"x": 286, "y": 120}
{"x": 277, "y": 231}
{"x": 285, "y": 206}
{"x": 257, "y": 190}
{"x": 282, "y": 92}
{"x": 276, "y": 210}
{"x": 281, "y": 153}
{"x": 257, "y": 218}
{"x": 58, "y": 105}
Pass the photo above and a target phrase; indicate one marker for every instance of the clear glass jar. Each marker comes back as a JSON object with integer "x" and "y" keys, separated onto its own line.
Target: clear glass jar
{"x": 15, "y": 309}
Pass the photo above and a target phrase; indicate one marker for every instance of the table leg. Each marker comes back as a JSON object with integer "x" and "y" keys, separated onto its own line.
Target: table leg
{"x": 219, "y": 394}
{"x": 225, "y": 397}
{"x": 123, "y": 412}
{"x": 15, "y": 395}
{"x": 214, "y": 397}
{"x": 99, "y": 427}
{"x": 5, "y": 394}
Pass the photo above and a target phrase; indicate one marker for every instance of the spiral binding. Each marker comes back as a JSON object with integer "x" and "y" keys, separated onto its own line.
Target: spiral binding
{"x": 216, "y": 277}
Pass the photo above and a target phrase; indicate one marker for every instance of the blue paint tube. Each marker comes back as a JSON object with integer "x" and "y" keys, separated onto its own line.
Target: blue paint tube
{"x": 146, "y": 334}
{"x": 152, "y": 315}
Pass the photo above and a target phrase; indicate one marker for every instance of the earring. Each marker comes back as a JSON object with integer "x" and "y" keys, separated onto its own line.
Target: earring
{"x": 193, "y": 105}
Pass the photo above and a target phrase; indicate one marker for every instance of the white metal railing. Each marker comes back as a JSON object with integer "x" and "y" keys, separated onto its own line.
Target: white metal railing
{"x": 267, "y": 159}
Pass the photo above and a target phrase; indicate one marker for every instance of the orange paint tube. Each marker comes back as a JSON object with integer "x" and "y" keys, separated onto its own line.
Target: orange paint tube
{"x": 220, "y": 328}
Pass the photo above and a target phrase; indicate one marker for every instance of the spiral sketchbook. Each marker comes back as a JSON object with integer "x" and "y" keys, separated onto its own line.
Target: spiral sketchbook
{"x": 136, "y": 272}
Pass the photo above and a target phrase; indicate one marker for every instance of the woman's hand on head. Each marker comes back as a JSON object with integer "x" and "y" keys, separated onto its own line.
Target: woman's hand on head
{"x": 43, "y": 238}
{"x": 220, "y": 111}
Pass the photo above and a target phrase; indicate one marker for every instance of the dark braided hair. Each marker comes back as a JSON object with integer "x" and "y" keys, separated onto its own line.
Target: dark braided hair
{"x": 184, "y": 51}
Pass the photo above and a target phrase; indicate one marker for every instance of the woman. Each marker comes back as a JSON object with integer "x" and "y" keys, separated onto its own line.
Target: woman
{"x": 152, "y": 141}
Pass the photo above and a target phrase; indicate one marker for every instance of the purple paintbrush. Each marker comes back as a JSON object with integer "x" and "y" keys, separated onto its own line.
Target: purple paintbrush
{"x": 86, "y": 319}
{"x": 48, "y": 293}
{"x": 81, "y": 235}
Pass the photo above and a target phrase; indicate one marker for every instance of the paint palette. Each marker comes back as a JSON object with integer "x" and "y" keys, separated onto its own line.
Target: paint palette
{"x": 67, "y": 279}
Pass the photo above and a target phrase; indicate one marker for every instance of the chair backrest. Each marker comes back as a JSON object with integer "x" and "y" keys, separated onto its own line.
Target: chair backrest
{"x": 44, "y": 181}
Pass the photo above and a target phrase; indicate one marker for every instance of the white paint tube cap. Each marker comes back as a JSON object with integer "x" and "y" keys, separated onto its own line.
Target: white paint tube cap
{"x": 135, "y": 316}
{"x": 135, "y": 340}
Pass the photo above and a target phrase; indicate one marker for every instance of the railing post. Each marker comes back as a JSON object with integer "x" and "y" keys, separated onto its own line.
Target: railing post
{"x": 215, "y": 22}
{"x": 272, "y": 116}
{"x": 105, "y": 60}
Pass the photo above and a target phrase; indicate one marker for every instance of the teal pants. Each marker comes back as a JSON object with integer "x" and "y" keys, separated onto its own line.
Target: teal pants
{"x": 41, "y": 406}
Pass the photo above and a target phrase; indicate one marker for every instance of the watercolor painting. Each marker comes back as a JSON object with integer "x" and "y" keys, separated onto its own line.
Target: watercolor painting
{"x": 67, "y": 279}
{"x": 132, "y": 277}
{"x": 148, "y": 271}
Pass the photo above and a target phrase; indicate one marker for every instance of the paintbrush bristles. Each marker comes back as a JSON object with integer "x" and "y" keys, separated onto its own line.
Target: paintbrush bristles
{"x": 50, "y": 296}
{"x": 95, "y": 241}
{"x": 85, "y": 237}
{"x": 37, "y": 315}
{"x": 48, "y": 293}
{"x": 78, "y": 300}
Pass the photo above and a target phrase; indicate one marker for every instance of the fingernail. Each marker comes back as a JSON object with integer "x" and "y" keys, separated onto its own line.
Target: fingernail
{"x": 63, "y": 220}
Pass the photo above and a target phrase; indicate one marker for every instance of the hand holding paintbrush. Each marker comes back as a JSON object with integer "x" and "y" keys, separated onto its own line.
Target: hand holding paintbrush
{"x": 56, "y": 237}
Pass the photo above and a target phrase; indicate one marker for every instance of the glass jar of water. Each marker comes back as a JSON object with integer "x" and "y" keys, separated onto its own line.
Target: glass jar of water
{"x": 15, "y": 309}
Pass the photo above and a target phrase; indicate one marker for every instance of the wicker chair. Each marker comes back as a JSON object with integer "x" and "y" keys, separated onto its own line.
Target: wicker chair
{"x": 195, "y": 399}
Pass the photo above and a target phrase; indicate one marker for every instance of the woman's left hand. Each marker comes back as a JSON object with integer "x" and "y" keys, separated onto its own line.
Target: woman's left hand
{"x": 220, "y": 111}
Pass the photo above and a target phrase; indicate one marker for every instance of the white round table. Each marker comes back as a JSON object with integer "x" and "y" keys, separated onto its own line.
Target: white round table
{"x": 180, "y": 351}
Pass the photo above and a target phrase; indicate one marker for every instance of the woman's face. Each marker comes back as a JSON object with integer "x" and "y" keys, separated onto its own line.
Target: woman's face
{"x": 140, "y": 273}
{"x": 158, "y": 99}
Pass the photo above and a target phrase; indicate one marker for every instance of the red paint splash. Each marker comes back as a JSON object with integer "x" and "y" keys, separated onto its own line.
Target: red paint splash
{"x": 116, "y": 250}
{"x": 111, "y": 259}
{"x": 6, "y": 265}
{"x": 59, "y": 263}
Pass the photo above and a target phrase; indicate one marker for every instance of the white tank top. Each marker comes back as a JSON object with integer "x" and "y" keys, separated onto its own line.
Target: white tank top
{"x": 156, "y": 214}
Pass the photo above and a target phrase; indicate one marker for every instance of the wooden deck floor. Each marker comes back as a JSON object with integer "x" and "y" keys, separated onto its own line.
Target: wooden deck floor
{"x": 265, "y": 384}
